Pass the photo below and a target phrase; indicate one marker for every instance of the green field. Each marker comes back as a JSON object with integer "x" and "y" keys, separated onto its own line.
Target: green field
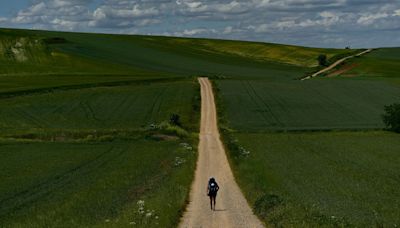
{"x": 313, "y": 153}
{"x": 381, "y": 64}
{"x": 86, "y": 156}
{"x": 322, "y": 179}
{"x": 262, "y": 105}
{"x": 56, "y": 184}
{"x": 85, "y": 136}
{"x": 125, "y": 107}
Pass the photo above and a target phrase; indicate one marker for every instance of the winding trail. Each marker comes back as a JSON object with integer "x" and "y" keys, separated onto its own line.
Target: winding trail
{"x": 335, "y": 64}
{"x": 232, "y": 209}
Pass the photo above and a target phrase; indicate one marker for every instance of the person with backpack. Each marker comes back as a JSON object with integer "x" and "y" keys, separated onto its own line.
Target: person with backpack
{"x": 212, "y": 190}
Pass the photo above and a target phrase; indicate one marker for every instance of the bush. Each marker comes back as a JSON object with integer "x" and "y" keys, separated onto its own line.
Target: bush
{"x": 392, "y": 117}
{"x": 175, "y": 119}
{"x": 168, "y": 128}
{"x": 322, "y": 60}
{"x": 55, "y": 40}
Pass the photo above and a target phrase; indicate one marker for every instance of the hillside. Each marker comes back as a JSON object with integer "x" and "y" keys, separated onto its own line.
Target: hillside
{"x": 36, "y": 49}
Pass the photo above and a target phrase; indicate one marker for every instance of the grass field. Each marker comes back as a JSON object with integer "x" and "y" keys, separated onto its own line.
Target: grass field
{"x": 93, "y": 184}
{"x": 100, "y": 108}
{"x": 321, "y": 179}
{"x": 82, "y": 53}
{"x": 381, "y": 64}
{"x": 261, "y": 105}
{"x": 313, "y": 153}
{"x": 85, "y": 155}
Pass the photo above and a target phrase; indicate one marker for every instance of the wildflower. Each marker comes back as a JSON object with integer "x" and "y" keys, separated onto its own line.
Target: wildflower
{"x": 107, "y": 220}
{"x": 148, "y": 214}
{"x": 186, "y": 146}
{"x": 140, "y": 203}
{"x": 179, "y": 161}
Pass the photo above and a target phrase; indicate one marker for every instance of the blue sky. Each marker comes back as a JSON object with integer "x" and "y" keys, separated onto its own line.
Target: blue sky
{"x": 322, "y": 23}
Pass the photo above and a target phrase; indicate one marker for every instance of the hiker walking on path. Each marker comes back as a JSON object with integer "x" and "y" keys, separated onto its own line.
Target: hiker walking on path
{"x": 212, "y": 190}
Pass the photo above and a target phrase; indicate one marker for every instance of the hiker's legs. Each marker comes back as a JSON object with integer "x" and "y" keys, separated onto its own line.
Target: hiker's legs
{"x": 215, "y": 197}
{"x": 211, "y": 199}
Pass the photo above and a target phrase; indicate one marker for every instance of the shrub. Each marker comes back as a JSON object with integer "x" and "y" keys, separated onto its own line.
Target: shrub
{"x": 392, "y": 117}
{"x": 322, "y": 60}
{"x": 175, "y": 119}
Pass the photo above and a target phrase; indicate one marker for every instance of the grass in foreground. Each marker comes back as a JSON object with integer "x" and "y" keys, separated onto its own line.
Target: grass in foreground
{"x": 320, "y": 179}
{"x": 94, "y": 184}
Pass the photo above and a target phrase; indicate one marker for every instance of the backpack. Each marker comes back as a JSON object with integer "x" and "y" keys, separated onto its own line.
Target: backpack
{"x": 212, "y": 186}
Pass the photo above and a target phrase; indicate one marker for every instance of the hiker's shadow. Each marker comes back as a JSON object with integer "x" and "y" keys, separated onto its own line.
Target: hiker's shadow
{"x": 220, "y": 210}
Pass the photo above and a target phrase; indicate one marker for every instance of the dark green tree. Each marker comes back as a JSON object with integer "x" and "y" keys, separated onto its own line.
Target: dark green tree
{"x": 392, "y": 117}
{"x": 175, "y": 119}
{"x": 322, "y": 60}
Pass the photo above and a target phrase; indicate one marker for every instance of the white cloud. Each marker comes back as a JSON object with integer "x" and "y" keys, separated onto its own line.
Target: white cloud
{"x": 228, "y": 30}
{"x": 368, "y": 19}
{"x": 192, "y": 32}
{"x": 108, "y": 16}
{"x": 262, "y": 20}
{"x": 3, "y": 19}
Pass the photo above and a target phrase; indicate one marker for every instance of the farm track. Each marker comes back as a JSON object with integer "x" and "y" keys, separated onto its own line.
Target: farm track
{"x": 232, "y": 209}
{"x": 336, "y": 64}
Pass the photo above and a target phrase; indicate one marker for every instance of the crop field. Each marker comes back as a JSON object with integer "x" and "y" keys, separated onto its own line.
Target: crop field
{"x": 314, "y": 153}
{"x": 321, "y": 179}
{"x": 262, "y": 105}
{"x": 381, "y": 64}
{"x": 85, "y": 157}
{"x": 57, "y": 184}
{"x": 102, "y": 108}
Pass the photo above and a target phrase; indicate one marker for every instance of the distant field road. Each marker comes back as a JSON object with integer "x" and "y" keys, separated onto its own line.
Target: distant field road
{"x": 336, "y": 64}
{"x": 232, "y": 209}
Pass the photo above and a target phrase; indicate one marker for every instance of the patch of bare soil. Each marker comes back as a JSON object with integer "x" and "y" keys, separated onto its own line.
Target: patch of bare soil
{"x": 342, "y": 70}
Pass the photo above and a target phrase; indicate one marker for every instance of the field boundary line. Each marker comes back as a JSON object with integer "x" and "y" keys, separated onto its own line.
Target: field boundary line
{"x": 38, "y": 91}
{"x": 336, "y": 64}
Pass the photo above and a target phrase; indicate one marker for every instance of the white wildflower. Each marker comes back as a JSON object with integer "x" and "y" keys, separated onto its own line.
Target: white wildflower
{"x": 140, "y": 203}
{"x": 179, "y": 161}
{"x": 243, "y": 151}
{"x": 187, "y": 146}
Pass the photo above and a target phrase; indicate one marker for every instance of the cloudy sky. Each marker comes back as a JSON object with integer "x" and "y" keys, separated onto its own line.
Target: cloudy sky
{"x": 323, "y": 23}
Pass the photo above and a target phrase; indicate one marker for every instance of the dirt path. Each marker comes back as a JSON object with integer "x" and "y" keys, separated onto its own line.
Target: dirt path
{"x": 335, "y": 64}
{"x": 232, "y": 209}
